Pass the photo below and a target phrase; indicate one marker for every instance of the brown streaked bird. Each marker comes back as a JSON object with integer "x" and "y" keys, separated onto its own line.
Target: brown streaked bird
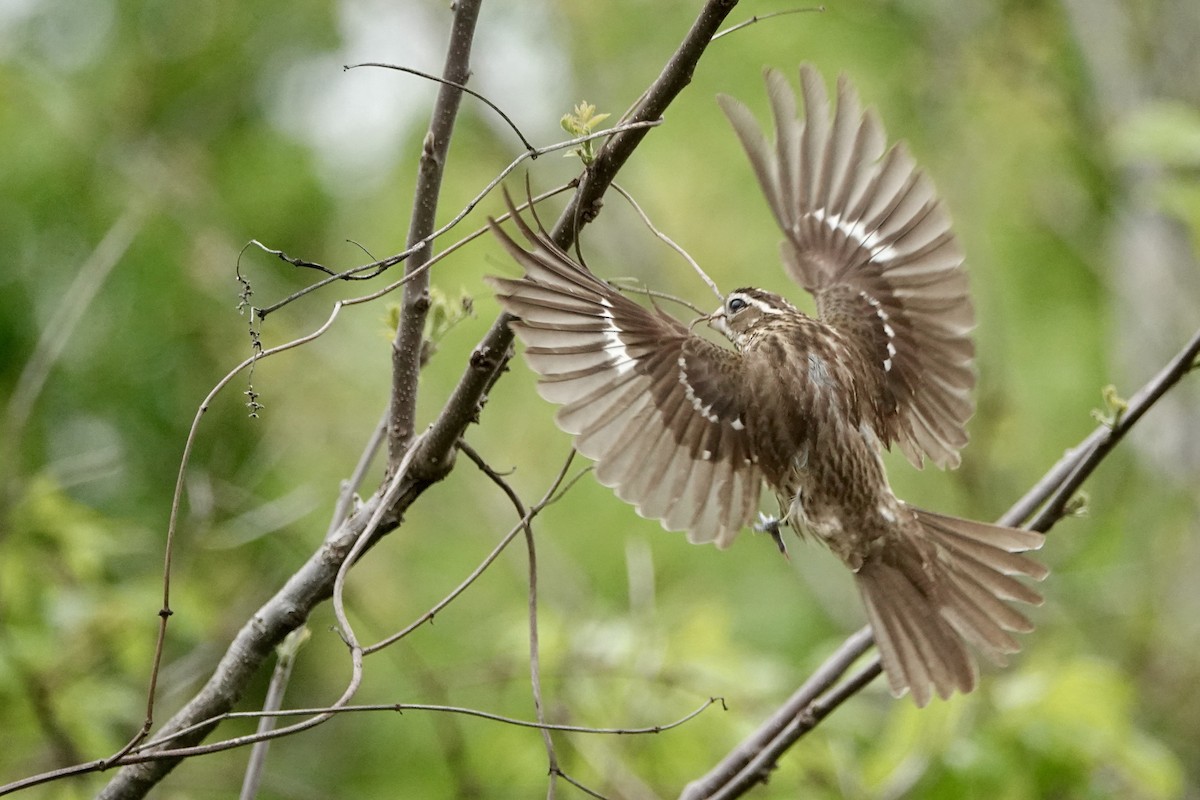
{"x": 688, "y": 431}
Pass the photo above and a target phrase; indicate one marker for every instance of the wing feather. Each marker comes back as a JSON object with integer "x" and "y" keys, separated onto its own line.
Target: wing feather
{"x": 866, "y": 234}
{"x": 659, "y": 408}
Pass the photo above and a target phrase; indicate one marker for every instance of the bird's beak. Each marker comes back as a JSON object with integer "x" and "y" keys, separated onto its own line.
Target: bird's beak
{"x": 716, "y": 321}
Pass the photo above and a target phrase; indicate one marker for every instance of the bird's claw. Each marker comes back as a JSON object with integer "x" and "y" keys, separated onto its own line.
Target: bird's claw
{"x": 771, "y": 525}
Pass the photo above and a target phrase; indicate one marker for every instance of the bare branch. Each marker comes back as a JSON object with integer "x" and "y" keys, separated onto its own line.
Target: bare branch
{"x": 670, "y": 242}
{"x": 1056, "y": 488}
{"x": 410, "y": 333}
{"x": 462, "y": 87}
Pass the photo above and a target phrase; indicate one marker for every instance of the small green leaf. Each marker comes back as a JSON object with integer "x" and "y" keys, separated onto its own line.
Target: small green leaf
{"x": 1077, "y": 506}
{"x": 582, "y": 121}
{"x": 1115, "y": 407}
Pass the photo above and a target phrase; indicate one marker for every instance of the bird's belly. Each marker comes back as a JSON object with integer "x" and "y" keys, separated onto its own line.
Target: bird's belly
{"x": 808, "y": 520}
{"x": 848, "y": 517}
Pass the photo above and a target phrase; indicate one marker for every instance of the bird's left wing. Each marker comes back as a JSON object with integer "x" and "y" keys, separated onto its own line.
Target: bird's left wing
{"x": 659, "y": 408}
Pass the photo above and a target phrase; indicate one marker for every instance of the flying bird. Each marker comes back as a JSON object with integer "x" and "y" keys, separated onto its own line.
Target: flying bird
{"x": 689, "y": 431}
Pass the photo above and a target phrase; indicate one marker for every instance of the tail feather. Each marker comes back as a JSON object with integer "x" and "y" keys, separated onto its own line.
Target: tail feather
{"x": 942, "y": 585}
{"x": 920, "y": 650}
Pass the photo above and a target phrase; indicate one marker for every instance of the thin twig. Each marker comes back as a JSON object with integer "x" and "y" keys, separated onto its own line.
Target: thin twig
{"x": 653, "y": 229}
{"x": 462, "y": 87}
{"x": 580, "y": 786}
{"x": 644, "y": 730}
{"x": 551, "y": 496}
{"x": 535, "y": 661}
{"x": 470, "y": 237}
{"x": 762, "y": 17}
{"x": 274, "y": 701}
{"x": 391, "y": 261}
{"x": 395, "y": 483}
{"x": 636, "y": 287}
{"x": 165, "y": 611}
{"x": 349, "y": 487}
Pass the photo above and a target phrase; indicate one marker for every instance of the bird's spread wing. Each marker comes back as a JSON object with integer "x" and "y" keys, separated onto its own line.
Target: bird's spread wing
{"x": 658, "y": 408}
{"x": 868, "y": 237}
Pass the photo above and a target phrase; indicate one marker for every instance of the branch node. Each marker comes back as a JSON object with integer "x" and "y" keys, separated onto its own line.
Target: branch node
{"x": 483, "y": 359}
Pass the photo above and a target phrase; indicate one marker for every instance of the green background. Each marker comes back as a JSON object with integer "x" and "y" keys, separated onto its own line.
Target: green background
{"x": 1065, "y": 144}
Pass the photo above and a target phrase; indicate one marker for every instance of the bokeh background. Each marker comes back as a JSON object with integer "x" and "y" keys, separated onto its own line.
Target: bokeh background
{"x": 144, "y": 142}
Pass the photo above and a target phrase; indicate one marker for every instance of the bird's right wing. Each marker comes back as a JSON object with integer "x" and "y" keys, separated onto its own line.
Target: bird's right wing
{"x": 868, "y": 237}
{"x": 659, "y": 408}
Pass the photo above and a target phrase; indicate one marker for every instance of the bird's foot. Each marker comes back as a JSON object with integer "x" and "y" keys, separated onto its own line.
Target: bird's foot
{"x": 771, "y": 525}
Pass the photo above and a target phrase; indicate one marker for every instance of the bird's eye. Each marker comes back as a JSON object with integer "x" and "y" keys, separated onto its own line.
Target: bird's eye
{"x": 736, "y": 304}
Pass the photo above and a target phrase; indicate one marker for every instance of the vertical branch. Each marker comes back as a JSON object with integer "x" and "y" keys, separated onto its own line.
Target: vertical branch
{"x": 409, "y": 341}
{"x": 275, "y": 690}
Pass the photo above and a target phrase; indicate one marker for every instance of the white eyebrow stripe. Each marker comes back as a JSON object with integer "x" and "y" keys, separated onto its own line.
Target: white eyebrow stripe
{"x": 784, "y": 307}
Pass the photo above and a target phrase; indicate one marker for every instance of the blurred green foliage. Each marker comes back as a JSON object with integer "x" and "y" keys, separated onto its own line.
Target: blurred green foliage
{"x": 212, "y": 123}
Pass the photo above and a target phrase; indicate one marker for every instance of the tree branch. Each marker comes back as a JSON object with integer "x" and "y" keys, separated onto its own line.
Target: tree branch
{"x": 409, "y": 341}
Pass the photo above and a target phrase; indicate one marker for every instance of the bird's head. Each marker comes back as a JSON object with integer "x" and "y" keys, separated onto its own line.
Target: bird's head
{"x": 746, "y": 310}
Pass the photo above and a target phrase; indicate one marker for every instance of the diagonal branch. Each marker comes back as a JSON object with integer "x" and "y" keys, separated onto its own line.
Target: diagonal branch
{"x": 751, "y": 762}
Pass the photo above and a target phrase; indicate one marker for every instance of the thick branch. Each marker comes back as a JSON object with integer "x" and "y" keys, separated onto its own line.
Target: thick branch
{"x": 750, "y": 762}
{"x": 409, "y": 341}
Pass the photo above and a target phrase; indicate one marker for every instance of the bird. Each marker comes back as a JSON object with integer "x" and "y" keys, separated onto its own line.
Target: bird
{"x": 690, "y": 430}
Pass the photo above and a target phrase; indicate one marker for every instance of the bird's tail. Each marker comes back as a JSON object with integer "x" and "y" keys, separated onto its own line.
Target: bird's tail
{"x": 944, "y": 584}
